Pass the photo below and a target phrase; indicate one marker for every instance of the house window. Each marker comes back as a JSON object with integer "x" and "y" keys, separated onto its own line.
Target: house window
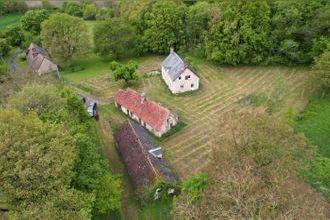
{"x": 187, "y": 77}
{"x": 179, "y": 77}
{"x": 181, "y": 86}
{"x": 192, "y": 85}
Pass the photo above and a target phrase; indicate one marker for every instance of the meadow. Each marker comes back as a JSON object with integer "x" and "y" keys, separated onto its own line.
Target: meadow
{"x": 7, "y": 20}
{"x": 222, "y": 89}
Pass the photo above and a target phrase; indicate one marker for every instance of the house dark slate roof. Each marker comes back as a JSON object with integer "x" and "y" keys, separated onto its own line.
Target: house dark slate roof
{"x": 174, "y": 65}
{"x": 143, "y": 167}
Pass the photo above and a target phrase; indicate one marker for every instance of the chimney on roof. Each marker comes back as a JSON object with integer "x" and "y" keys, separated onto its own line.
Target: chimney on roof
{"x": 171, "y": 49}
{"x": 143, "y": 97}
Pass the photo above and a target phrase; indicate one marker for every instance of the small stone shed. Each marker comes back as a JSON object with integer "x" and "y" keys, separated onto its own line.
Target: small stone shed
{"x": 39, "y": 61}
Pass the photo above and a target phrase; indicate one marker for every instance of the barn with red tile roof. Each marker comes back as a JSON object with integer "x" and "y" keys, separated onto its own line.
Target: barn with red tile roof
{"x": 143, "y": 160}
{"x": 154, "y": 117}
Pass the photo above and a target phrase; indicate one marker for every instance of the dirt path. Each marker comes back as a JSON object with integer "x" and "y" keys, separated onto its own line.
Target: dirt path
{"x": 128, "y": 204}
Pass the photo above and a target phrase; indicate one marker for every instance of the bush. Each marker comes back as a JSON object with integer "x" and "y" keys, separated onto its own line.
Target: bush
{"x": 14, "y": 35}
{"x": 104, "y": 14}
{"x": 3, "y": 69}
{"x": 90, "y": 12}
{"x": 30, "y": 37}
{"x": 4, "y": 47}
{"x": 47, "y": 5}
{"x": 31, "y": 21}
{"x": 12, "y": 6}
{"x": 194, "y": 185}
{"x": 72, "y": 8}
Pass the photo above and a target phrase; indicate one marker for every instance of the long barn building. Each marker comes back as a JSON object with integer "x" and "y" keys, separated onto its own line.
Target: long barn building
{"x": 154, "y": 117}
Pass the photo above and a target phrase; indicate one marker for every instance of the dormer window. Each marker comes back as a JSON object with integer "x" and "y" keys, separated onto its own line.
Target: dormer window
{"x": 156, "y": 152}
{"x": 187, "y": 77}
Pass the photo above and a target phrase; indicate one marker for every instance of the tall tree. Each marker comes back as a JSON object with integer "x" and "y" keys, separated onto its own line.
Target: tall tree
{"x": 294, "y": 26}
{"x": 114, "y": 38}
{"x": 253, "y": 174}
{"x": 322, "y": 68}
{"x": 36, "y": 165}
{"x": 197, "y": 23}
{"x": 239, "y": 33}
{"x": 65, "y": 37}
{"x": 163, "y": 26}
{"x": 32, "y": 19}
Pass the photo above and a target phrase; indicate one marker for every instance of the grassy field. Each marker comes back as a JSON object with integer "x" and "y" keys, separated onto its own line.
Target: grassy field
{"x": 315, "y": 124}
{"x": 221, "y": 90}
{"x": 7, "y": 20}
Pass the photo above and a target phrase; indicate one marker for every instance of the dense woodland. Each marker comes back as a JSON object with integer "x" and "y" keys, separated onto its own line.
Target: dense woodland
{"x": 255, "y": 173}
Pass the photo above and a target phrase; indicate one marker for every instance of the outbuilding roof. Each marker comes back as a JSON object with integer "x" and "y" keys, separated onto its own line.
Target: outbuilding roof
{"x": 35, "y": 56}
{"x": 148, "y": 111}
{"x": 143, "y": 167}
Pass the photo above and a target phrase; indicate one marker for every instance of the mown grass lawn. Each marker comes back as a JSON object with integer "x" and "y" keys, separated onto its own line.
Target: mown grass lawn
{"x": 7, "y": 20}
{"x": 221, "y": 90}
{"x": 188, "y": 150}
{"x": 87, "y": 67}
{"x": 315, "y": 124}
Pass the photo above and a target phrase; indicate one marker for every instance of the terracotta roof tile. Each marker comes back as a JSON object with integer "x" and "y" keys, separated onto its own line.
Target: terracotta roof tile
{"x": 148, "y": 111}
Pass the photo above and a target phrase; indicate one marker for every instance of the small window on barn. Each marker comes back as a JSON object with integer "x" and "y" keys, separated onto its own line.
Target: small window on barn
{"x": 192, "y": 85}
{"x": 181, "y": 86}
{"x": 187, "y": 77}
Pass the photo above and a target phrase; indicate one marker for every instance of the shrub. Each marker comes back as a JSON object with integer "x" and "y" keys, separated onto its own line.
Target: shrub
{"x": 12, "y": 6}
{"x": 4, "y": 47}
{"x": 3, "y": 69}
{"x": 104, "y": 14}
{"x": 32, "y": 19}
{"x": 194, "y": 185}
{"x": 90, "y": 11}
{"x": 72, "y": 8}
{"x": 47, "y": 5}
{"x": 14, "y": 35}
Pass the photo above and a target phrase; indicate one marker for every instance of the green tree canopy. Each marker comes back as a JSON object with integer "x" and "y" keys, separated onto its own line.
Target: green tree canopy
{"x": 253, "y": 174}
{"x": 322, "y": 68}
{"x": 107, "y": 194}
{"x": 44, "y": 100}
{"x": 163, "y": 26}
{"x": 124, "y": 72}
{"x": 14, "y": 35}
{"x": 114, "y": 38}
{"x": 32, "y": 19}
{"x": 72, "y": 8}
{"x": 90, "y": 11}
{"x": 36, "y": 165}
{"x": 239, "y": 33}
{"x": 65, "y": 37}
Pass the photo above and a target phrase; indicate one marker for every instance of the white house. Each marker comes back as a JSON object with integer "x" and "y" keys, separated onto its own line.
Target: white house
{"x": 154, "y": 117}
{"x": 178, "y": 75}
{"x": 38, "y": 60}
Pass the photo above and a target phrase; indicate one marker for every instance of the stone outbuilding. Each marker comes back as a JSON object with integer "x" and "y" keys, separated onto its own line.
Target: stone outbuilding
{"x": 142, "y": 158}
{"x": 39, "y": 61}
{"x": 178, "y": 75}
{"x": 154, "y": 117}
